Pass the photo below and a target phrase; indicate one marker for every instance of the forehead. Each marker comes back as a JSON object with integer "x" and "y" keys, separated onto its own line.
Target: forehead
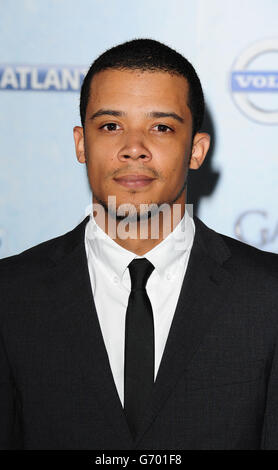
{"x": 138, "y": 88}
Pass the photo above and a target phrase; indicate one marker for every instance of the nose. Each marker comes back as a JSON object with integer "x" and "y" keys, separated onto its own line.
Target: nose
{"x": 134, "y": 147}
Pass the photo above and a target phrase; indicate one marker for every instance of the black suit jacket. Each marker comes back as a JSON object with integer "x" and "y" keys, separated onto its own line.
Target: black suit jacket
{"x": 217, "y": 385}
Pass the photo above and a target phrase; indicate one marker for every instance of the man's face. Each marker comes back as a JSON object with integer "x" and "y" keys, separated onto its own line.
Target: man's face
{"x": 137, "y": 123}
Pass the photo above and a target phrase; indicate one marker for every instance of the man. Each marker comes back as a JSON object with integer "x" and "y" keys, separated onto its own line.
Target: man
{"x": 139, "y": 342}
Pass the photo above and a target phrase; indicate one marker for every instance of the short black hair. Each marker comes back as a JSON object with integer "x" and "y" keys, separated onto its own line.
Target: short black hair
{"x": 148, "y": 55}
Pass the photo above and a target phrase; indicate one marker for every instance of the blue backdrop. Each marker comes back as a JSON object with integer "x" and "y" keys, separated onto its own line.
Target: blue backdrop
{"x": 46, "y": 45}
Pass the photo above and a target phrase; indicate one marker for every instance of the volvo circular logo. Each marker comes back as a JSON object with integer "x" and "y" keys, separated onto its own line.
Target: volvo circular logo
{"x": 254, "y": 81}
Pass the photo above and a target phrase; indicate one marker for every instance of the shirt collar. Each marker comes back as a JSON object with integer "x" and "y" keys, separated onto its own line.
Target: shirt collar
{"x": 163, "y": 256}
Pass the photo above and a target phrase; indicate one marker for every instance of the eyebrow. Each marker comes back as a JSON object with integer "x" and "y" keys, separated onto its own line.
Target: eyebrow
{"x": 109, "y": 112}
{"x": 161, "y": 114}
{"x": 152, "y": 114}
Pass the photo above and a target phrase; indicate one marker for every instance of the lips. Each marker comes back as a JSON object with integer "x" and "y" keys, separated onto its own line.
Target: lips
{"x": 134, "y": 181}
{"x": 134, "y": 178}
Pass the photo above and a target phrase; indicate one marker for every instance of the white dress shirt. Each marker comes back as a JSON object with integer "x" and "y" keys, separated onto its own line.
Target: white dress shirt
{"x": 110, "y": 280}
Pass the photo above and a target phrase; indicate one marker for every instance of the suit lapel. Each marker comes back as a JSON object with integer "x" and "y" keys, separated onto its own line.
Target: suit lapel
{"x": 71, "y": 277}
{"x": 202, "y": 296}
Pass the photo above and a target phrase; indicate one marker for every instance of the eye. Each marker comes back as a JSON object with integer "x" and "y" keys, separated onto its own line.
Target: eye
{"x": 163, "y": 128}
{"x": 110, "y": 126}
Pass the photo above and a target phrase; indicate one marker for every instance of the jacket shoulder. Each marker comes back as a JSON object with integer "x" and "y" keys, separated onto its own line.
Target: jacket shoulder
{"x": 40, "y": 256}
{"x": 238, "y": 256}
{"x": 252, "y": 256}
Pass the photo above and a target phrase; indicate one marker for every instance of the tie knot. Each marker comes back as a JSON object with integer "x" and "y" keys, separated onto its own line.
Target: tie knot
{"x": 140, "y": 270}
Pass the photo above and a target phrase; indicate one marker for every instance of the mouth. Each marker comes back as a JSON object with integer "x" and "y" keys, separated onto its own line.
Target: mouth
{"x": 134, "y": 181}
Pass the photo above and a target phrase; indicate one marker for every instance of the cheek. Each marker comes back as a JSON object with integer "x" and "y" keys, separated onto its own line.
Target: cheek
{"x": 97, "y": 144}
{"x": 173, "y": 151}
{"x": 174, "y": 165}
{"x": 176, "y": 173}
{"x": 100, "y": 155}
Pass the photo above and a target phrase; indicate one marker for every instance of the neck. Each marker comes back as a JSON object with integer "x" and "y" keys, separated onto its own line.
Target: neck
{"x": 141, "y": 236}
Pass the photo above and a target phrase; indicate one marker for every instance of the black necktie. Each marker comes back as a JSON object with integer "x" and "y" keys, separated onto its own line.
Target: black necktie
{"x": 139, "y": 344}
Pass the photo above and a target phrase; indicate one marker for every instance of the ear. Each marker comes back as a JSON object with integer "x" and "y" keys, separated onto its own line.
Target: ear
{"x": 201, "y": 143}
{"x": 78, "y": 135}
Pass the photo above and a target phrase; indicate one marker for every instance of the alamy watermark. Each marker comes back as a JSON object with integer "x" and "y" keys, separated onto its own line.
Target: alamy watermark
{"x": 127, "y": 222}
